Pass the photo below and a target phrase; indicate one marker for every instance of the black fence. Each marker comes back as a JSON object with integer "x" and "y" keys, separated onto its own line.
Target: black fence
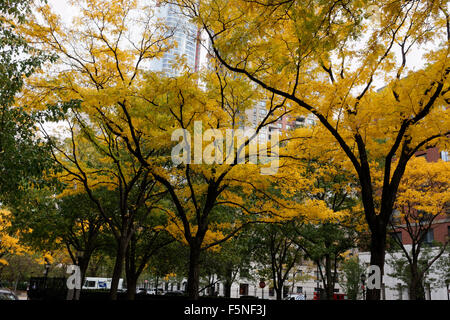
{"x": 47, "y": 289}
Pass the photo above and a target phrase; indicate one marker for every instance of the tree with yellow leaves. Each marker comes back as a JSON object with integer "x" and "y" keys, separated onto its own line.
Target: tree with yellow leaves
{"x": 100, "y": 63}
{"x": 325, "y": 58}
{"x": 422, "y": 200}
{"x": 121, "y": 132}
{"x": 124, "y": 195}
{"x": 332, "y": 180}
{"x": 9, "y": 245}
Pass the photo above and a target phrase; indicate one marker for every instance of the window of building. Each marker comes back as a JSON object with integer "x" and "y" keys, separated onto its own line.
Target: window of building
{"x": 299, "y": 289}
{"x": 271, "y": 291}
{"x": 429, "y": 237}
{"x": 243, "y": 289}
{"x": 397, "y": 235}
{"x": 444, "y": 156}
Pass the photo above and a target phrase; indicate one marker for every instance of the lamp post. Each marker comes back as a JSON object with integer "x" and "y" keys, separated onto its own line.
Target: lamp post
{"x": 363, "y": 281}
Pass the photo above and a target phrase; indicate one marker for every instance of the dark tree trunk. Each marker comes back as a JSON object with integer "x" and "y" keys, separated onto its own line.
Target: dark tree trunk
{"x": 228, "y": 283}
{"x": 131, "y": 286}
{"x": 83, "y": 263}
{"x": 130, "y": 269}
{"x": 227, "y": 289}
{"x": 118, "y": 266}
{"x": 194, "y": 272}
{"x": 416, "y": 288}
{"x": 329, "y": 287}
{"x": 279, "y": 292}
{"x": 377, "y": 255}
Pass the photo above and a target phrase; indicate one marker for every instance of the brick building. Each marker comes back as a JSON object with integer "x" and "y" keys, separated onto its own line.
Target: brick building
{"x": 440, "y": 229}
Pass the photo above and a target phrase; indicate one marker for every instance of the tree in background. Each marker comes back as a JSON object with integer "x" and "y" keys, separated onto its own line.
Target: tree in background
{"x": 330, "y": 179}
{"x": 227, "y": 261}
{"x": 276, "y": 252}
{"x": 149, "y": 238}
{"x": 69, "y": 222}
{"x": 422, "y": 200}
{"x": 24, "y": 156}
{"x": 9, "y": 245}
{"x": 350, "y": 278}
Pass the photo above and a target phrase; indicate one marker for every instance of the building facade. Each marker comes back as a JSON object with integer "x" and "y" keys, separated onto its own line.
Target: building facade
{"x": 185, "y": 37}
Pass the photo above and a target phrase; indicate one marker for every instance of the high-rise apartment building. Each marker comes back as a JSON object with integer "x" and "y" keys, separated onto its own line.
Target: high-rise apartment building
{"x": 184, "y": 34}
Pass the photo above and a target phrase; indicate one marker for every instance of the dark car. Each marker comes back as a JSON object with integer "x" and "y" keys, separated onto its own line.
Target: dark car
{"x": 174, "y": 293}
{"x": 6, "y": 294}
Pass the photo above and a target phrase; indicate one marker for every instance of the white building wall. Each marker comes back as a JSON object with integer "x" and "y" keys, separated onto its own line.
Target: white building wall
{"x": 392, "y": 285}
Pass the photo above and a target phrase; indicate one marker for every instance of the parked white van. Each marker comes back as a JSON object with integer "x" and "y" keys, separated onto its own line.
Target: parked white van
{"x": 100, "y": 283}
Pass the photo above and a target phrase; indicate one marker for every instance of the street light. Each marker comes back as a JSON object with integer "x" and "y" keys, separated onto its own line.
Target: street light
{"x": 363, "y": 281}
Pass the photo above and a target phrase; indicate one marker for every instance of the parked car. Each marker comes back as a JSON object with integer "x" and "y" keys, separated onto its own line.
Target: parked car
{"x": 95, "y": 283}
{"x": 153, "y": 292}
{"x": 143, "y": 291}
{"x": 174, "y": 293}
{"x": 6, "y": 294}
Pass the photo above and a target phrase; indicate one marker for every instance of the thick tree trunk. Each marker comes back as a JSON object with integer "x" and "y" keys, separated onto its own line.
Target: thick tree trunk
{"x": 377, "y": 255}
{"x": 131, "y": 286}
{"x": 118, "y": 266}
{"x": 416, "y": 288}
{"x": 83, "y": 263}
{"x": 228, "y": 283}
{"x": 227, "y": 289}
{"x": 130, "y": 269}
{"x": 279, "y": 292}
{"x": 194, "y": 272}
{"x": 329, "y": 288}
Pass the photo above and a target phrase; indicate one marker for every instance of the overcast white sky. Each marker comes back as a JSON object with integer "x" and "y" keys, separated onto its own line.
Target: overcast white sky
{"x": 67, "y": 12}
